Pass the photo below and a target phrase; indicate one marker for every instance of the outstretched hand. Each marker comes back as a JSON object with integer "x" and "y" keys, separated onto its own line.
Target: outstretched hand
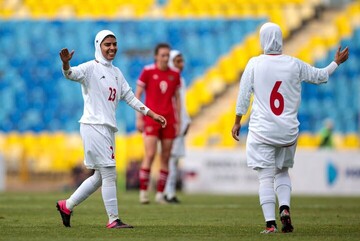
{"x": 65, "y": 55}
{"x": 341, "y": 56}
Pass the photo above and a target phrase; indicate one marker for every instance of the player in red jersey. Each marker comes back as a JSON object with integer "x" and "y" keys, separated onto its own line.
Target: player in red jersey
{"x": 161, "y": 86}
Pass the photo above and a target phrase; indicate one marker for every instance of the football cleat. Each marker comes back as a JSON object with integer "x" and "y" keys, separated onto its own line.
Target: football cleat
{"x": 64, "y": 212}
{"x": 144, "y": 197}
{"x": 267, "y": 230}
{"x": 172, "y": 200}
{"x": 286, "y": 222}
{"x": 160, "y": 199}
{"x": 118, "y": 224}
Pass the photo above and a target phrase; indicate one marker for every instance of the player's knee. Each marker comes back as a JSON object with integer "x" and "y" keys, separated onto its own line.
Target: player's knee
{"x": 108, "y": 175}
{"x": 96, "y": 178}
{"x": 266, "y": 176}
{"x": 267, "y": 196}
{"x": 282, "y": 179}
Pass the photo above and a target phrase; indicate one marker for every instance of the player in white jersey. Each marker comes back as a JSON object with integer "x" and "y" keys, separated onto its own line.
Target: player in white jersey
{"x": 275, "y": 80}
{"x": 103, "y": 86}
{"x": 176, "y": 61}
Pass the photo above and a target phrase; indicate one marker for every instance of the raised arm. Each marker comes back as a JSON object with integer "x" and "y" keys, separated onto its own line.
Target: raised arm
{"x": 65, "y": 57}
{"x": 315, "y": 75}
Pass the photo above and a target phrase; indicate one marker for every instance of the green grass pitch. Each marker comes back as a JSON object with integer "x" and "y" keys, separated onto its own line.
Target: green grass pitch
{"x": 33, "y": 216}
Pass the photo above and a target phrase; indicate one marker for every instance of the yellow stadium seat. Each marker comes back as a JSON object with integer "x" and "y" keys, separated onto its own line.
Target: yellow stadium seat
{"x": 214, "y": 81}
{"x": 331, "y": 36}
{"x": 240, "y": 56}
{"x": 193, "y": 104}
{"x": 344, "y": 28}
{"x": 319, "y": 47}
{"x": 204, "y": 94}
{"x": 306, "y": 140}
{"x": 2, "y": 142}
{"x": 354, "y": 8}
{"x": 135, "y": 147}
{"x": 252, "y": 45}
{"x": 292, "y": 15}
{"x": 229, "y": 72}
{"x": 199, "y": 140}
{"x": 305, "y": 54}
{"x": 352, "y": 141}
{"x": 121, "y": 152}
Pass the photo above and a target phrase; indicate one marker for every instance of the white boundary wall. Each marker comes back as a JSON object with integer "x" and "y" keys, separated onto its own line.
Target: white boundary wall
{"x": 316, "y": 172}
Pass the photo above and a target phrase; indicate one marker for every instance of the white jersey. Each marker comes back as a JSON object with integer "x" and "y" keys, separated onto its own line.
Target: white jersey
{"x": 184, "y": 116}
{"x": 103, "y": 86}
{"x": 275, "y": 81}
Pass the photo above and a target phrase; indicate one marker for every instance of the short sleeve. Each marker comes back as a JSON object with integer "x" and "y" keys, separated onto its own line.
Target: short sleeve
{"x": 178, "y": 80}
{"x": 143, "y": 79}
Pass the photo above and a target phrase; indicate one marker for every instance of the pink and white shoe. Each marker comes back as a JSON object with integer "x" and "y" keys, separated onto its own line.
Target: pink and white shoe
{"x": 64, "y": 212}
{"x": 267, "y": 230}
{"x": 118, "y": 224}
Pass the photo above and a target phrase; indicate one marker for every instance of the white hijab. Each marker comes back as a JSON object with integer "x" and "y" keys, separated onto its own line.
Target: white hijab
{"x": 173, "y": 54}
{"x": 271, "y": 38}
{"x": 100, "y": 36}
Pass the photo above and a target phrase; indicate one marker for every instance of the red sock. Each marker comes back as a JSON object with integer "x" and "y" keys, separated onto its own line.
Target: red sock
{"x": 144, "y": 177}
{"x": 162, "y": 180}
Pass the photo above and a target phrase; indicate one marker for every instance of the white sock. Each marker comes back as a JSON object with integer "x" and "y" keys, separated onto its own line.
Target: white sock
{"x": 89, "y": 186}
{"x": 266, "y": 193}
{"x": 108, "y": 191}
{"x": 268, "y": 211}
{"x": 170, "y": 188}
{"x": 283, "y": 186}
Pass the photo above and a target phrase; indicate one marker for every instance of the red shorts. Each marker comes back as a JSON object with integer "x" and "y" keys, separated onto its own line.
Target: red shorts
{"x": 155, "y": 129}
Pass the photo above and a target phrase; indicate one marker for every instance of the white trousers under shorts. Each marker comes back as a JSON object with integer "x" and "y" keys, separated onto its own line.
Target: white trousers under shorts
{"x": 261, "y": 155}
{"x": 99, "y": 145}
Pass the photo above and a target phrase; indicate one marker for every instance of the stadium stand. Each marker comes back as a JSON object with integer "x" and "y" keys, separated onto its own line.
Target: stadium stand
{"x": 318, "y": 102}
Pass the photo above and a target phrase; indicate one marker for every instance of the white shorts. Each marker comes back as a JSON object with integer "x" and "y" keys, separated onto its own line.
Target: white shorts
{"x": 99, "y": 145}
{"x": 178, "y": 148}
{"x": 260, "y": 155}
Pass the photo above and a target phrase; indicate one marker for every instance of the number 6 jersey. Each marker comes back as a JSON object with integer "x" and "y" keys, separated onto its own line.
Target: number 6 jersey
{"x": 275, "y": 81}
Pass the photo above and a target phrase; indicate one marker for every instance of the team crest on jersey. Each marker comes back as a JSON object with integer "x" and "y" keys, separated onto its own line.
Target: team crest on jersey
{"x": 155, "y": 76}
{"x": 171, "y": 77}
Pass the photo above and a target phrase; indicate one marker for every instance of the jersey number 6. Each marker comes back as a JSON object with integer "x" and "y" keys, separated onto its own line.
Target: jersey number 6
{"x": 276, "y": 99}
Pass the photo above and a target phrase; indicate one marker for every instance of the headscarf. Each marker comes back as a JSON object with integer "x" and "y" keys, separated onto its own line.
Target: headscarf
{"x": 173, "y": 54}
{"x": 100, "y": 36}
{"x": 271, "y": 38}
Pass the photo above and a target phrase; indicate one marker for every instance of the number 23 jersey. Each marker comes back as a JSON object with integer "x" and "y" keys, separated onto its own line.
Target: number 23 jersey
{"x": 102, "y": 88}
{"x": 275, "y": 81}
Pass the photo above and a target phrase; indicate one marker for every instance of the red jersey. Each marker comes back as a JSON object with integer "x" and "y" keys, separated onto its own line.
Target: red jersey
{"x": 160, "y": 88}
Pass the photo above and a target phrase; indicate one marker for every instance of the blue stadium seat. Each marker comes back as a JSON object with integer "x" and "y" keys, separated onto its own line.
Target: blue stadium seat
{"x": 42, "y": 97}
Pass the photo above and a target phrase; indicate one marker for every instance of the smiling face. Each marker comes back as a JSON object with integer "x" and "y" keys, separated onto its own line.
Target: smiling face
{"x": 162, "y": 58}
{"x": 109, "y": 48}
{"x": 179, "y": 62}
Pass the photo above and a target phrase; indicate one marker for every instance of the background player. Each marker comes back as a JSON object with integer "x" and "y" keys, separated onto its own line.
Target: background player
{"x": 161, "y": 86}
{"x": 103, "y": 86}
{"x": 275, "y": 79}
{"x": 176, "y": 61}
